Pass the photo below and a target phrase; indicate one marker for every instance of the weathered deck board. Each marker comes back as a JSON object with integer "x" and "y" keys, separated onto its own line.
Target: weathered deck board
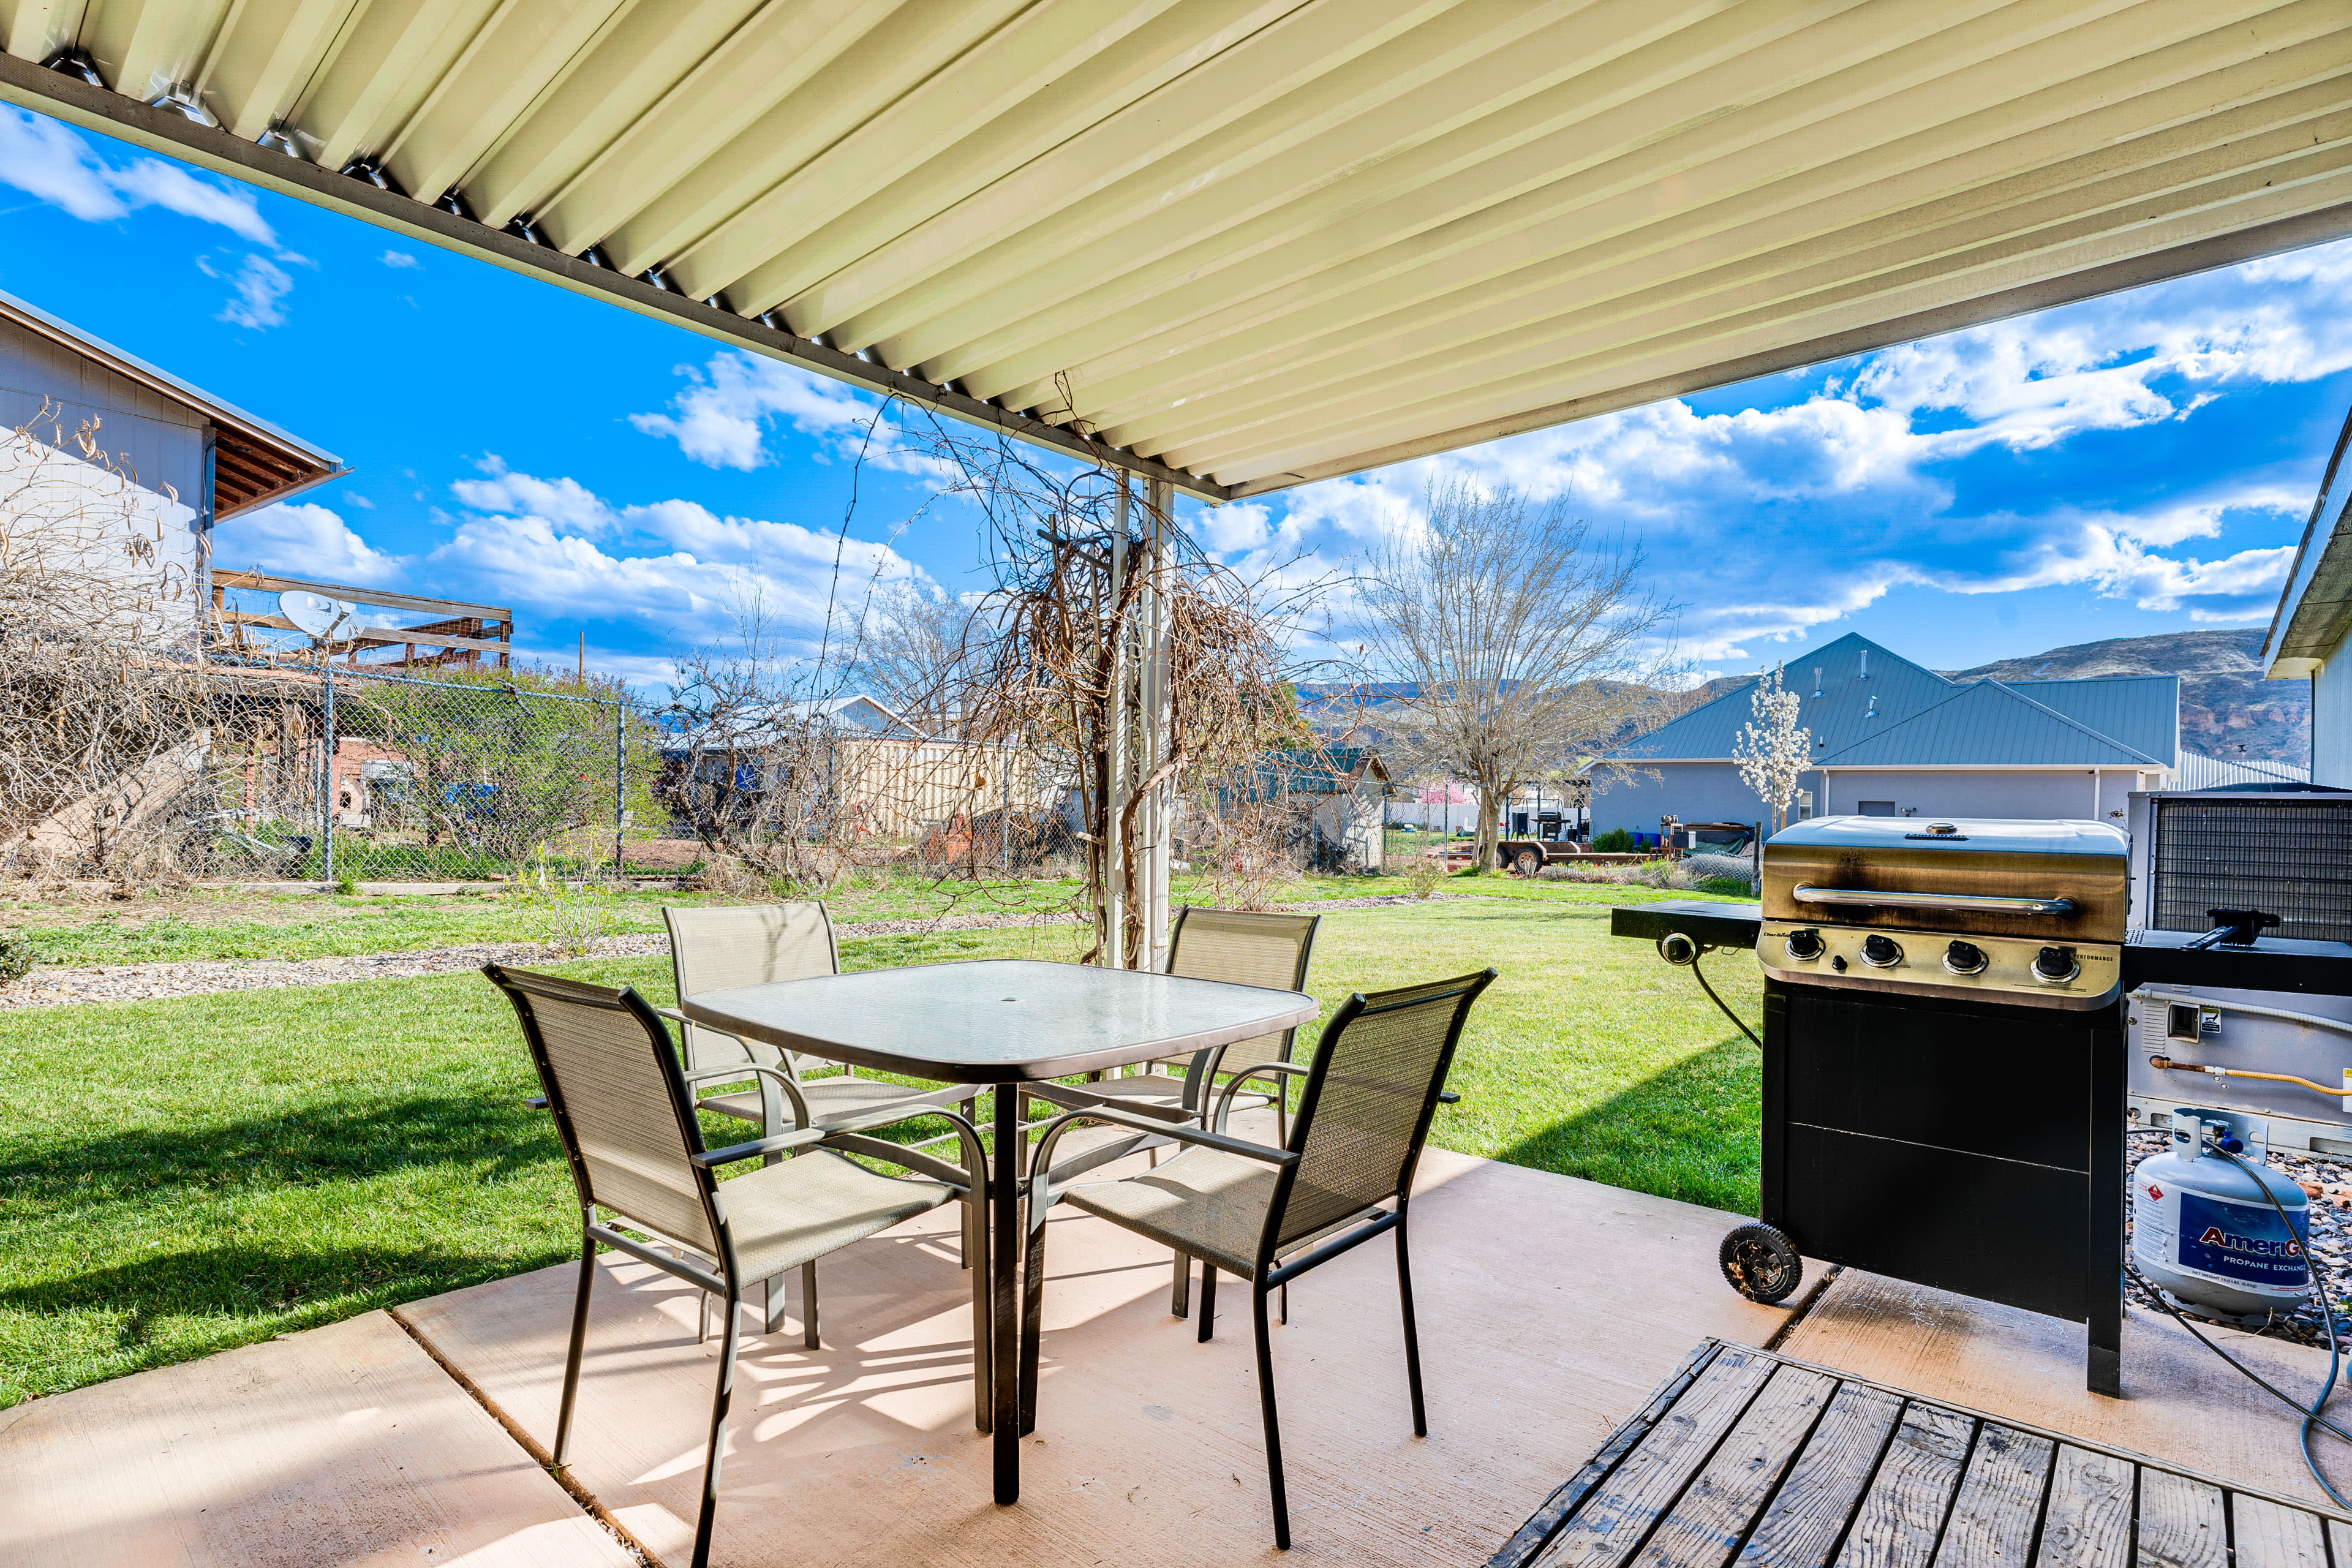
{"x": 2090, "y": 1518}
{"x": 1902, "y": 1515}
{"x": 2272, "y": 1535}
{"x": 1748, "y": 1460}
{"x": 1704, "y": 1527}
{"x": 1612, "y": 1525}
{"x": 2180, "y": 1522}
{"x": 1807, "y": 1519}
{"x": 2000, "y": 1502}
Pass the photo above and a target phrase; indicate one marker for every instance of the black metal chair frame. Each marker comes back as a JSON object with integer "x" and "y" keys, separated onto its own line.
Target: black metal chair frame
{"x": 1199, "y": 1083}
{"x": 1269, "y": 1274}
{"x": 728, "y": 1283}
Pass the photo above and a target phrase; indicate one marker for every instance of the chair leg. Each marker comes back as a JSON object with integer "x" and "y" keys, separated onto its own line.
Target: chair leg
{"x": 983, "y": 1373}
{"x": 579, "y": 1346}
{"x": 1273, "y": 1433}
{"x": 717, "y": 1430}
{"x": 1208, "y": 1301}
{"x": 1411, "y": 1339}
{"x": 808, "y": 1304}
{"x": 1033, "y": 1303}
{"x": 1179, "y": 1296}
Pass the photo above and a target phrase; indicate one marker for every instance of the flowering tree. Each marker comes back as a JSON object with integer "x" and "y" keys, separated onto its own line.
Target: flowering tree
{"x": 1774, "y": 750}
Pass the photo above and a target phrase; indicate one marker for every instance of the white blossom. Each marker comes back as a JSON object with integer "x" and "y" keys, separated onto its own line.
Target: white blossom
{"x": 1774, "y": 750}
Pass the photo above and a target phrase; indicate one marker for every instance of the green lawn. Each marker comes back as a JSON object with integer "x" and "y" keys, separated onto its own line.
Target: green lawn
{"x": 220, "y": 925}
{"x": 177, "y": 1177}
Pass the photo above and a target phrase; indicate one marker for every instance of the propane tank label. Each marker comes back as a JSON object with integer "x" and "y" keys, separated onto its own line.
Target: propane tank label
{"x": 2238, "y": 1241}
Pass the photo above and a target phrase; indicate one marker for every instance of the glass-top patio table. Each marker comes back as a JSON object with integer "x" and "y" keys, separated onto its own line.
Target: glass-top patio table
{"x": 1005, "y": 1022}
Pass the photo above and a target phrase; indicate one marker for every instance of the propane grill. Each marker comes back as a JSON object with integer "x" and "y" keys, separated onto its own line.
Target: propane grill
{"x": 2030, "y": 913}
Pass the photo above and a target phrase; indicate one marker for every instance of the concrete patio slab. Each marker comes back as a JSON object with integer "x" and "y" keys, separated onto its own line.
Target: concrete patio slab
{"x": 2179, "y": 1403}
{"x": 344, "y": 1444}
{"x": 1550, "y": 1308}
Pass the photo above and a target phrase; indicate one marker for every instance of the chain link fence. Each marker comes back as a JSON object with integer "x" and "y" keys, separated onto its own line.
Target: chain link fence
{"x": 295, "y": 769}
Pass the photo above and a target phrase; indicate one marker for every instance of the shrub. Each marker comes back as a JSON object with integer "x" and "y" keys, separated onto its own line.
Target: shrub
{"x": 16, "y": 962}
{"x": 1616, "y": 841}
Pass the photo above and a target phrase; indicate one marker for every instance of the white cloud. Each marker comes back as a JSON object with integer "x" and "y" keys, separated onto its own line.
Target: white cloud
{"x": 674, "y": 566}
{"x": 261, "y": 286}
{"x": 45, "y": 160}
{"x": 398, "y": 258}
{"x": 723, "y": 417}
{"x": 302, "y": 539}
{"x": 1928, "y": 465}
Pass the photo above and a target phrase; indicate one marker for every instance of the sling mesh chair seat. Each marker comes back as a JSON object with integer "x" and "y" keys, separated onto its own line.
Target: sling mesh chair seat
{"x": 627, "y": 1123}
{"x": 1241, "y": 948}
{"x": 1363, "y": 1116}
{"x": 722, "y": 948}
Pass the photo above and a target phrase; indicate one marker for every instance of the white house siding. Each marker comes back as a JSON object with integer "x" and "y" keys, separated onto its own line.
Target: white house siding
{"x": 159, "y": 444}
{"x": 2331, "y": 718}
{"x": 1694, "y": 792}
{"x": 1712, "y": 792}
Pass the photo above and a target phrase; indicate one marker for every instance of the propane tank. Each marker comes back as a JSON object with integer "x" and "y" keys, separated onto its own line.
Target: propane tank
{"x": 2204, "y": 1232}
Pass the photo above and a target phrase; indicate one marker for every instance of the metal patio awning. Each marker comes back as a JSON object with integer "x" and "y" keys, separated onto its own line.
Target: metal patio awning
{"x": 1243, "y": 244}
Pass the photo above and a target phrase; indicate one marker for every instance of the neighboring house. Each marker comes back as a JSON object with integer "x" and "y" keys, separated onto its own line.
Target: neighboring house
{"x": 1334, "y": 800}
{"x": 860, "y": 712}
{"x": 183, "y": 459}
{"x": 2221, "y": 772}
{"x": 1891, "y": 738}
{"x": 2311, "y": 636}
{"x": 1440, "y": 808}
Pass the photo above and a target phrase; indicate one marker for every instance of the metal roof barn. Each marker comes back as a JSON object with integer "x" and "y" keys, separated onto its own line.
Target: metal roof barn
{"x": 1239, "y": 244}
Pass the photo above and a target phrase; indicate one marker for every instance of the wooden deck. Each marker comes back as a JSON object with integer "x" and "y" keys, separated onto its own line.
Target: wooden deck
{"x": 1747, "y": 1460}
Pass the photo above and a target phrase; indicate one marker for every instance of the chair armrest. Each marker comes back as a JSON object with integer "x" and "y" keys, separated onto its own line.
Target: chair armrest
{"x": 1041, "y": 1164}
{"x": 736, "y": 1072}
{"x": 1183, "y": 1132}
{"x": 1225, "y": 1097}
{"x": 799, "y": 1138}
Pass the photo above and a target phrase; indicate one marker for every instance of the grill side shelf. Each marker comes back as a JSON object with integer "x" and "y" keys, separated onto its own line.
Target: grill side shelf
{"x": 1717, "y": 925}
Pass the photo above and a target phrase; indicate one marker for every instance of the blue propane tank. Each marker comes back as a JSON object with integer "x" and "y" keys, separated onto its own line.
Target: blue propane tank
{"x": 2207, "y": 1236}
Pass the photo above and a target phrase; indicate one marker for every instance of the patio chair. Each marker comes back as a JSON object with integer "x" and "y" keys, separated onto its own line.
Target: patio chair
{"x": 1245, "y": 949}
{"x": 626, "y": 1120}
{"x": 719, "y": 949}
{"x": 1363, "y": 1115}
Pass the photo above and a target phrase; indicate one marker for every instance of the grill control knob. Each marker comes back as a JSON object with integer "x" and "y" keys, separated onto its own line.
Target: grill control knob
{"x": 1881, "y": 951}
{"x": 1965, "y": 958}
{"x": 2055, "y": 965}
{"x": 1805, "y": 945}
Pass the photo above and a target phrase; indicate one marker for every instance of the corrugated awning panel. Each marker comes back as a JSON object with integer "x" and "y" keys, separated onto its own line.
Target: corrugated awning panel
{"x": 1263, "y": 241}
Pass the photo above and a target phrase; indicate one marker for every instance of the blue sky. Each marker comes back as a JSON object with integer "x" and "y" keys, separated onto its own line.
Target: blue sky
{"x": 2132, "y": 464}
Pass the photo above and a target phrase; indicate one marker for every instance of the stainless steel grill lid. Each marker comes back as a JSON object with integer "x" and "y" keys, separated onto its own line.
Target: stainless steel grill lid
{"x": 2057, "y": 881}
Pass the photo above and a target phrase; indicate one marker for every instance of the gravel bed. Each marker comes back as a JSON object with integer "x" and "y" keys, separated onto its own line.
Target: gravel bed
{"x": 150, "y": 982}
{"x": 2331, "y": 1239}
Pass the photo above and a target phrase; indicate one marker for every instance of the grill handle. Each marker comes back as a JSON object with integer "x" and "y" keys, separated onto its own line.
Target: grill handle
{"x": 1962, "y": 903}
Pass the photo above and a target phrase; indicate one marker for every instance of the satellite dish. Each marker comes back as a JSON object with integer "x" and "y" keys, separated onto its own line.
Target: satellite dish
{"x": 323, "y": 617}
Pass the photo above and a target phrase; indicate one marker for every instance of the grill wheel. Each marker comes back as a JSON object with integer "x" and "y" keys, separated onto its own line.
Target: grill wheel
{"x": 1762, "y": 1263}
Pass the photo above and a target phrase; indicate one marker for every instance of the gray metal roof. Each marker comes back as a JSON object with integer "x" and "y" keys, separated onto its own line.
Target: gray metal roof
{"x": 2143, "y": 711}
{"x": 1836, "y": 684}
{"x": 1987, "y": 724}
{"x": 1854, "y": 694}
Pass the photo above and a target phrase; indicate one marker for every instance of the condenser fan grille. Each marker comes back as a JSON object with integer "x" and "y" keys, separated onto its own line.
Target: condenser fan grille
{"x": 2291, "y": 858}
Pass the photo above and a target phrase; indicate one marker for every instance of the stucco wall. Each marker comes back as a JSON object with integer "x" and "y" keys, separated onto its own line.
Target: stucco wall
{"x": 1712, "y": 792}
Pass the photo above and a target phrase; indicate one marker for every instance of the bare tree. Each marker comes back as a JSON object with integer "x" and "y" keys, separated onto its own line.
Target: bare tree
{"x": 103, "y": 722}
{"x": 918, "y": 657}
{"x": 1524, "y": 641}
{"x": 1773, "y": 751}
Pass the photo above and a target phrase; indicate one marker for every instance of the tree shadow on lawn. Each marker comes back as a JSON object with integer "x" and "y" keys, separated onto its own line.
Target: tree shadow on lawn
{"x": 303, "y": 1146}
{"x": 270, "y": 1287}
{"x": 1691, "y": 1132}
